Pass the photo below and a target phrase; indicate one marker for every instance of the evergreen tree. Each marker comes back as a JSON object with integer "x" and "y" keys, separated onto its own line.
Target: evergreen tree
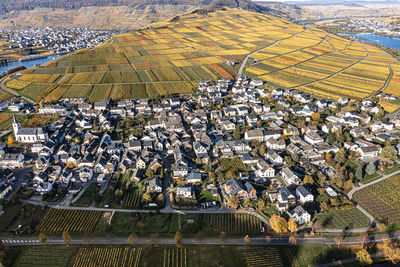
{"x": 371, "y": 168}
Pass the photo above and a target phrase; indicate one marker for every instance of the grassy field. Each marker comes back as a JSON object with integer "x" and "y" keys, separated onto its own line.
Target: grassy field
{"x": 171, "y": 57}
{"x": 382, "y": 199}
{"x": 197, "y": 256}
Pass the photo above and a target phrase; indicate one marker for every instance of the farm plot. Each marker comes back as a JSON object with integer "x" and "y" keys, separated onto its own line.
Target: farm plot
{"x": 342, "y": 219}
{"x": 132, "y": 200}
{"x": 175, "y": 55}
{"x": 43, "y": 257}
{"x": 382, "y": 199}
{"x": 268, "y": 257}
{"x": 5, "y": 121}
{"x": 94, "y": 257}
{"x": 58, "y": 220}
{"x": 233, "y": 223}
{"x": 175, "y": 257}
{"x": 17, "y": 84}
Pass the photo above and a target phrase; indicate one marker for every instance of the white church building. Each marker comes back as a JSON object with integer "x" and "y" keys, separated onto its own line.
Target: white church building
{"x": 28, "y": 135}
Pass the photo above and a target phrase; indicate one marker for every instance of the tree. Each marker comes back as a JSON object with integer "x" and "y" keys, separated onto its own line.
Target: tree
{"x": 233, "y": 202}
{"x": 371, "y": 168}
{"x": 260, "y": 205}
{"x": 363, "y": 257}
{"x": 246, "y": 239}
{"x": 237, "y": 133}
{"x": 389, "y": 153}
{"x": 329, "y": 157}
{"x": 278, "y": 224}
{"x": 338, "y": 240}
{"x": 10, "y": 140}
{"x": 178, "y": 238}
{"x": 261, "y": 150}
{"x": 381, "y": 227}
{"x": 391, "y": 251}
{"x": 66, "y": 236}
{"x": 147, "y": 197}
{"x": 315, "y": 116}
{"x": 289, "y": 161}
{"x": 292, "y": 225}
{"x": 359, "y": 173}
{"x": 70, "y": 165}
{"x": 308, "y": 179}
{"x": 229, "y": 174}
{"x": 132, "y": 238}
{"x": 42, "y": 238}
{"x": 341, "y": 156}
{"x": 150, "y": 173}
{"x": 198, "y": 161}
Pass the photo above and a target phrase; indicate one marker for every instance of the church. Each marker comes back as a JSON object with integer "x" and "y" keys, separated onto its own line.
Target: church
{"x": 28, "y": 135}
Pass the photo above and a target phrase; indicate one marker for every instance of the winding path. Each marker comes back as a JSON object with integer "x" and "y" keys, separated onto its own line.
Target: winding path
{"x": 4, "y": 88}
{"x": 244, "y": 62}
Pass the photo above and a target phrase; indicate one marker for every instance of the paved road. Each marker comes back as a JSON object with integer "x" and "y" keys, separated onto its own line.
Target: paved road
{"x": 4, "y": 88}
{"x": 244, "y": 62}
{"x": 204, "y": 241}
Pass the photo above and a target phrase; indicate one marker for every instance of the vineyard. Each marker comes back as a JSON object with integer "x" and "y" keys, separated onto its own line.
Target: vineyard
{"x": 382, "y": 199}
{"x": 235, "y": 223}
{"x": 171, "y": 57}
{"x": 5, "y": 121}
{"x": 175, "y": 257}
{"x": 98, "y": 257}
{"x": 342, "y": 219}
{"x": 266, "y": 257}
{"x": 43, "y": 257}
{"x": 132, "y": 200}
{"x": 58, "y": 220}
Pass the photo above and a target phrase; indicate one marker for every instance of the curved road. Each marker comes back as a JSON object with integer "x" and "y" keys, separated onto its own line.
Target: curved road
{"x": 244, "y": 62}
{"x": 4, "y": 88}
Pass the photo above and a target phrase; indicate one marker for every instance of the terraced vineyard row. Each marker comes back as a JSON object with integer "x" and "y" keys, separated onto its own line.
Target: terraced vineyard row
{"x": 59, "y": 220}
{"x": 99, "y": 257}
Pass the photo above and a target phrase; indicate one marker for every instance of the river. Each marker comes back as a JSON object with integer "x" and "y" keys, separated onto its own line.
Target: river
{"x": 27, "y": 64}
{"x": 391, "y": 42}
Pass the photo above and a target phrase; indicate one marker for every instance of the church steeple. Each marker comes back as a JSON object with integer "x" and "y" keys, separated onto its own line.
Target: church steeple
{"x": 15, "y": 125}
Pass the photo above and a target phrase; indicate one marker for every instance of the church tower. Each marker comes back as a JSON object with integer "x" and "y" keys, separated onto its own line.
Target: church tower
{"x": 15, "y": 126}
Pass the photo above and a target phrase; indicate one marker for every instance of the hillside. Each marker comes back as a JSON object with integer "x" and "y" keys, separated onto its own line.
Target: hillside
{"x": 109, "y": 14}
{"x": 172, "y": 57}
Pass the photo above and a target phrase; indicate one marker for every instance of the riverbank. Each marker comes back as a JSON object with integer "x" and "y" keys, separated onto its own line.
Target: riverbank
{"x": 27, "y": 64}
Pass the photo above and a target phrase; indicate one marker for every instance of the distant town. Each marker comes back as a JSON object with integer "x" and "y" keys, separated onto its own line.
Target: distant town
{"x": 56, "y": 40}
